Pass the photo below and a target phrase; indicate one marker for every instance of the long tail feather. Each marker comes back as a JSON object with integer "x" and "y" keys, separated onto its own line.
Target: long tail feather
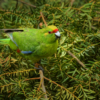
{"x": 4, "y": 41}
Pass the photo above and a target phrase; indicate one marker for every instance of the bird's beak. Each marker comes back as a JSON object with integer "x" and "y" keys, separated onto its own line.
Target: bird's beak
{"x": 57, "y": 34}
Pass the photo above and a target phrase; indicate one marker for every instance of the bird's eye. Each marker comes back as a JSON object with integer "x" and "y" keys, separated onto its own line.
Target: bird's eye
{"x": 49, "y": 32}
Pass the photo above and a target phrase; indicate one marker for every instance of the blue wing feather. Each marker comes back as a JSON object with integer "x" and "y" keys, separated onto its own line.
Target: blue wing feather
{"x": 26, "y": 52}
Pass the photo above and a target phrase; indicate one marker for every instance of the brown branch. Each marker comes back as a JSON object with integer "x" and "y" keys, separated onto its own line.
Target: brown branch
{"x": 43, "y": 19}
{"x": 16, "y": 5}
{"x": 42, "y": 83}
{"x": 77, "y": 59}
{"x": 76, "y": 79}
{"x": 27, "y": 4}
{"x": 71, "y": 3}
{"x": 41, "y": 80}
{"x": 10, "y": 30}
{"x": 32, "y": 79}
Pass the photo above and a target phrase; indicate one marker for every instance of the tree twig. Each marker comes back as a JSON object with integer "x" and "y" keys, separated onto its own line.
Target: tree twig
{"x": 27, "y": 4}
{"x": 71, "y": 3}
{"x": 41, "y": 80}
{"x": 71, "y": 54}
{"x": 16, "y": 5}
{"x": 42, "y": 83}
{"x": 77, "y": 59}
{"x": 43, "y": 19}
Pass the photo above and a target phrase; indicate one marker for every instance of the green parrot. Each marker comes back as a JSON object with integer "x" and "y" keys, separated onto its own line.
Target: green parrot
{"x": 33, "y": 44}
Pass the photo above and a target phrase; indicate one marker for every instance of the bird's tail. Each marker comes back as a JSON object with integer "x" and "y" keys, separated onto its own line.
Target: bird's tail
{"x": 4, "y": 41}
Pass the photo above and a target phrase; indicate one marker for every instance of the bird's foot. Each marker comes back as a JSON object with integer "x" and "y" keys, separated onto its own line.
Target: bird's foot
{"x": 39, "y": 68}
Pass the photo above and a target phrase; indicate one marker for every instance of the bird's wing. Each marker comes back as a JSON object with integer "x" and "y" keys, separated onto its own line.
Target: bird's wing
{"x": 26, "y": 40}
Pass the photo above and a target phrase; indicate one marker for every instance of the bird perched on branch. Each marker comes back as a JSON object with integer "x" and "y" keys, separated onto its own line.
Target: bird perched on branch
{"x": 33, "y": 44}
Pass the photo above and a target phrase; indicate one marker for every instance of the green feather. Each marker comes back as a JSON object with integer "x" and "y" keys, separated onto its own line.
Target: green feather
{"x": 4, "y": 41}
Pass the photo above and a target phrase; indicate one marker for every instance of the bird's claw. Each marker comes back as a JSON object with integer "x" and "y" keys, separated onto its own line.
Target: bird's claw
{"x": 39, "y": 68}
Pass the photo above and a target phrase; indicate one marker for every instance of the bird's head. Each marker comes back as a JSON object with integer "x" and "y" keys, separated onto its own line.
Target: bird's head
{"x": 53, "y": 30}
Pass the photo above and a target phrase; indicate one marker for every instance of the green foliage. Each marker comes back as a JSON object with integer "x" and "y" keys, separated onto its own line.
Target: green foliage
{"x": 67, "y": 79}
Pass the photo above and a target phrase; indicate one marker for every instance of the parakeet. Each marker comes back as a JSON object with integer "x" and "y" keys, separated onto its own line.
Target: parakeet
{"x": 33, "y": 44}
